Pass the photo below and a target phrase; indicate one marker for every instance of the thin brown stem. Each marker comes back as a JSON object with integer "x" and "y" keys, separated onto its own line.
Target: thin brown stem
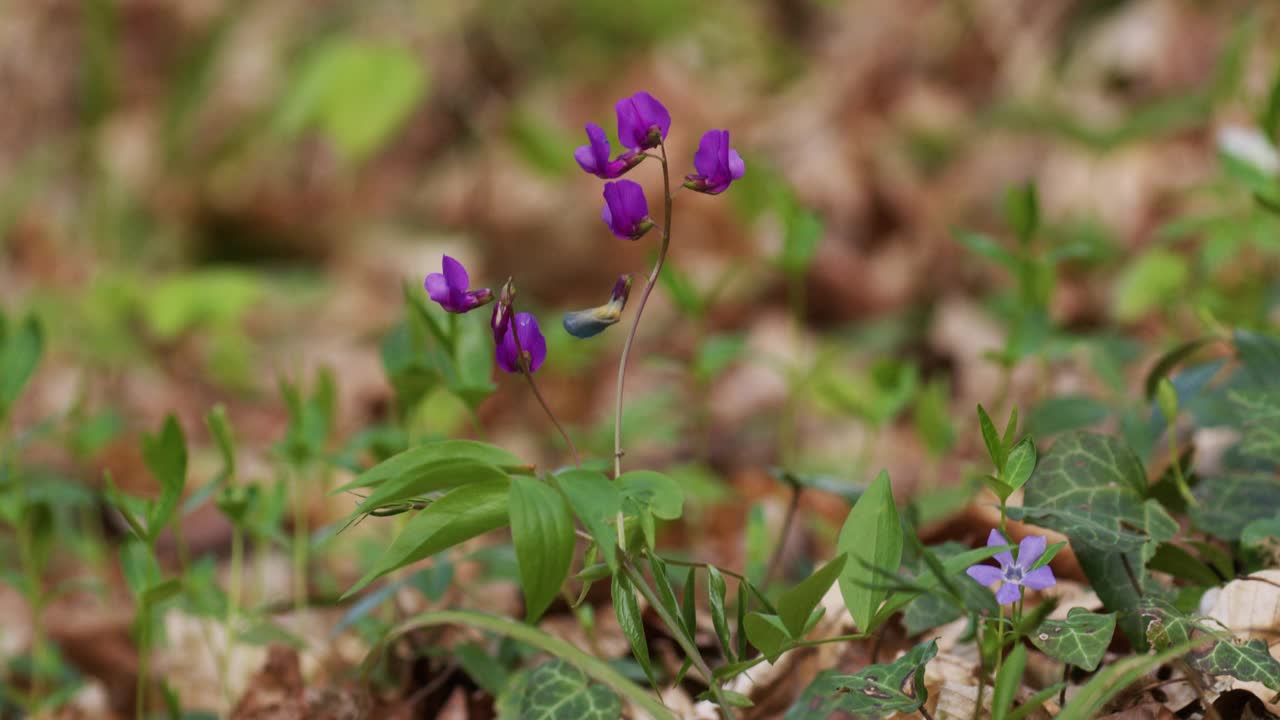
{"x": 792, "y": 509}
{"x": 635, "y": 323}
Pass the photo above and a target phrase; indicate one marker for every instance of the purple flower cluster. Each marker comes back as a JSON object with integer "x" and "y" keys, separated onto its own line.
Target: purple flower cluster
{"x": 1014, "y": 574}
{"x": 513, "y": 341}
{"x": 643, "y": 124}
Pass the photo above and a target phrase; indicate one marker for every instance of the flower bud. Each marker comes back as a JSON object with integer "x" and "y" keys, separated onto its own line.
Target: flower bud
{"x": 593, "y": 321}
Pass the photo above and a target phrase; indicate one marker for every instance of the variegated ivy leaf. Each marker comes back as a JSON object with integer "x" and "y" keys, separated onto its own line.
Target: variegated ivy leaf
{"x": 1230, "y": 502}
{"x": 556, "y": 689}
{"x": 1226, "y": 655}
{"x": 1080, "y": 640}
{"x": 875, "y": 691}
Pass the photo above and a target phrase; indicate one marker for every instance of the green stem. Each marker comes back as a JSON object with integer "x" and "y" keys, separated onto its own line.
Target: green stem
{"x": 686, "y": 644}
{"x": 1175, "y": 460}
{"x": 233, "y": 608}
{"x": 144, "y": 662}
{"x": 635, "y": 324}
{"x": 299, "y": 542}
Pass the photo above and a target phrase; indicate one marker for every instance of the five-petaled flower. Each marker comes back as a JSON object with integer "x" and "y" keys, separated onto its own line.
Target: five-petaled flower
{"x": 594, "y": 156}
{"x": 593, "y": 321}
{"x": 642, "y": 121}
{"x": 450, "y": 288}
{"x": 626, "y": 212}
{"x": 717, "y": 164}
{"x": 1015, "y": 575}
{"x": 532, "y": 346}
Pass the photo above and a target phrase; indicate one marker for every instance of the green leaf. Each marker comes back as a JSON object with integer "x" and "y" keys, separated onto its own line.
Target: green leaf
{"x": 1090, "y": 700}
{"x": 1170, "y": 558}
{"x": 1261, "y": 532}
{"x": 416, "y": 459}
{"x": 1260, "y": 356}
{"x": 797, "y": 604}
{"x": 995, "y": 448}
{"x": 166, "y": 457}
{"x": 801, "y": 236}
{"x": 426, "y": 479}
{"x": 1035, "y": 702}
{"x": 596, "y": 502}
{"x": 1022, "y": 211}
{"x": 354, "y": 92}
{"x": 1081, "y": 639}
{"x": 767, "y": 633}
{"x": 878, "y": 690}
{"x": 1152, "y": 281}
{"x": 1228, "y": 503}
{"x": 542, "y": 532}
{"x": 220, "y": 428}
{"x": 1247, "y": 661}
{"x": 592, "y": 666}
{"x": 458, "y": 515}
{"x": 1007, "y": 682}
{"x": 954, "y": 565}
{"x": 1171, "y": 359}
{"x": 689, "y": 606}
{"x": 1167, "y": 400}
{"x": 20, "y": 350}
{"x": 666, "y": 593}
{"x": 555, "y": 689}
{"x": 872, "y": 538}
{"x": 487, "y": 672}
{"x": 1020, "y": 464}
{"x": 627, "y": 609}
{"x": 984, "y": 246}
{"x": 1259, "y": 424}
{"x": 716, "y": 591}
{"x": 1091, "y": 488}
{"x": 931, "y": 610}
{"x": 653, "y": 491}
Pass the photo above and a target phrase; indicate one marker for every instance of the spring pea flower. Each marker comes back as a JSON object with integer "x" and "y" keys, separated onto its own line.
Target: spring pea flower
{"x": 718, "y": 165}
{"x": 450, "y": 288}
{"x": 1014, "y": 574}
{"x": 593, "y": 321}
{"x": 643, "y": 122}
{"x": 626, "y": 212}
{"x": 533, "y": 347}
{"x": 594, "y": 156}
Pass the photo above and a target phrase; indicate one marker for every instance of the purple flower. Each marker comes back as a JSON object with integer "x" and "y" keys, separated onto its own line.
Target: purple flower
{"x": 594, "y": 157}
{"x": 642, "y": 121}
{"x": 718, "y": 165}
{"x": 626, "y": 212}
{"x": 501, "y": 317}
{"x": 1014, "y": 574}
{"x": 587, "y": 323}
{"x": 450, "y": 288}
{"x": 533, "y": 346}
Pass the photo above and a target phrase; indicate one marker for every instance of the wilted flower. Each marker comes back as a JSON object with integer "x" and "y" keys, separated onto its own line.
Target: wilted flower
{"x": 532, "y": 345}
{"x": 642, "y": 121}
{"x": 450, "y": 288}
{"x": 626, "y": 212}
{"x": 502, "y": 311}
{"x": 587, "y": 323}
{"x": 594, "y": 156}
{"x": 718, "y": 165}
{"x": 1014, "y": 574}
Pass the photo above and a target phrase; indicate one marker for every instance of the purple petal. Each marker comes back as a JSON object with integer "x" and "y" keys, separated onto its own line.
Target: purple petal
{"x": 1030, "y": 550}
{"x": 594, "y": 156}
{"x": 707, "y": 159}
{"x": 995, "y": 539}
{"x": 1039, "y": 579}
{"x": 531, "y": 340}
{"x": 638, "y": 113}
{"x": 1008, "y": 593}
{"x": 505, "y": 353}
{"x": 633, "y": 200}
{"x": 437, "y": 288}
{"x": 455, "y": 274}
{"x": 984, "y": 574}
{"x": 737, "y": 168}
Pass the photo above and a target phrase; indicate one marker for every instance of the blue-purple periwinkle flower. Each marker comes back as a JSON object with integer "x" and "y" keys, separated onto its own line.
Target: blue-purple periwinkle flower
{"x": 593, "y": 321}
{"x": 533, "y": 347}
{"x": 450, "y": 288}
{"x": 642, "y": 121}
{"x": 594, "y": 156}
{"x": 1014, "y": 575}
{"x": 718, "y": 165}
{"x": 626, "y": 212}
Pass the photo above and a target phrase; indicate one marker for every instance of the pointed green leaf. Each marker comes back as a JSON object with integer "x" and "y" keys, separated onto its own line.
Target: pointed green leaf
{"x": 542, "y": 532}
{"x": 460, "y": 514}
{"x": 1247, "y": 661}
{"x": 1020, "y": 464}
{"x": 872, "y": 538}
{"x": 716, "y": 591}
{"x": 20, "y": 350}
{"x": 428, "y": 478}
{"x": 876, "y": 691}
{"x": 995, "y": 448}
{"x": 1007, "y": 682}
{"x": 797, "y": 604}
{"x": 1081, "y": 639}
{"x": 596, "y": 502}
{"x": 166, "y": 457}
{"x": 767, "y": 633}
{"x": 415, "y": 459}
{"x": 627, "y": 609}
{"x": 653, "y": 490}
{"x": 689, "y": 606}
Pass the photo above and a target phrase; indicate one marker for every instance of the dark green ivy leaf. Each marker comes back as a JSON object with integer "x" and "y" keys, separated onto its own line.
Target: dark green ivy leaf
{"x": 1080, "y": 640}
{"x": 875, "y": 691}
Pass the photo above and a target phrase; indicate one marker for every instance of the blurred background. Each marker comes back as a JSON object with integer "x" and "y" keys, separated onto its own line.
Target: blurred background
{"x": 199, "y": 198}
